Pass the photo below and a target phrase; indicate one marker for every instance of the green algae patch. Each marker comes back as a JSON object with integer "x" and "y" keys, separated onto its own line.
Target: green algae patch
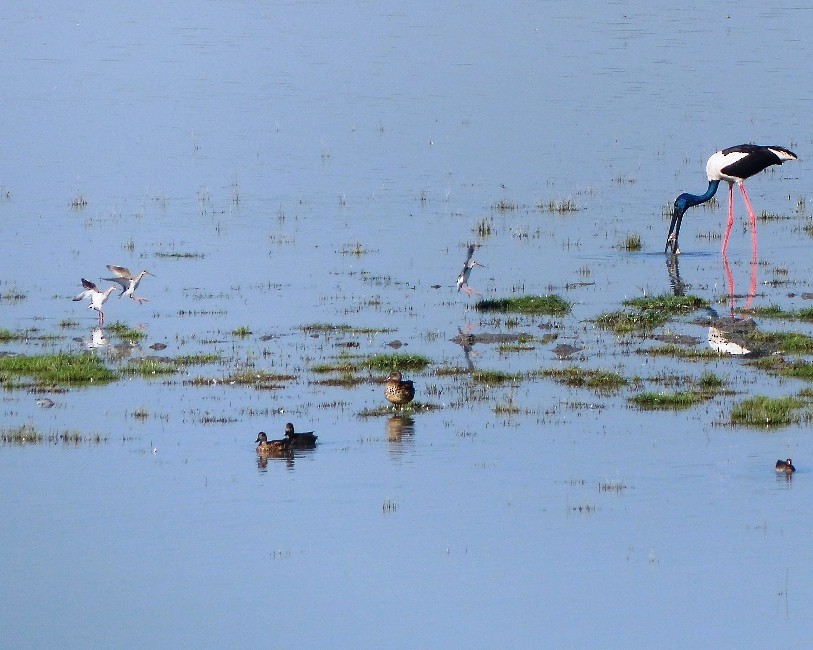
{"x": 63, "y": 368}
{"x": 531, "y": 305}
{"x": 767, "y": 411}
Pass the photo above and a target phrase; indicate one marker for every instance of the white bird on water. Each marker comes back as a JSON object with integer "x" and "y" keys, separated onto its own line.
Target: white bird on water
{"x": 97, "y": 297}
{"x": 463, "y": 278}
{"x": 128, "y": 281}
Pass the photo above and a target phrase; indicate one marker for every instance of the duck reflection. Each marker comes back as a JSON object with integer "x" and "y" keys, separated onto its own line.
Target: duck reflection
{"x": 400, "y": 432}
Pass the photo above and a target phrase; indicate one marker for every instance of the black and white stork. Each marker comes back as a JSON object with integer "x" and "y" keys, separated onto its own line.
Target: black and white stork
{"x": 732, "y": 165}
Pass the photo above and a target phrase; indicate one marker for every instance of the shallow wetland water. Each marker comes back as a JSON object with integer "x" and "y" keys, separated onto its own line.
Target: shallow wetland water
{"x": 304, "y": 180}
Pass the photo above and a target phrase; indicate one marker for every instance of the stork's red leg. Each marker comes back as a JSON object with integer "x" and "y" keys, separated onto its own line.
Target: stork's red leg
{"x": 730, "y": 216}
{"x": 752, "y": 220}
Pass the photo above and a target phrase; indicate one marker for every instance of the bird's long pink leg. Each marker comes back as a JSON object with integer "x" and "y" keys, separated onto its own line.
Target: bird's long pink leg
{"x": 730, "y": 216}
{"x": 752, "y": 219}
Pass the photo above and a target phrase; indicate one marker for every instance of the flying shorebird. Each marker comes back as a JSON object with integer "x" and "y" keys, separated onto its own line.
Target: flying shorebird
{"x": 128, "y": 281}
{"x": 97, "y": 297}
{"x": 732, "y": 165}
{"x": 463, "y": 278}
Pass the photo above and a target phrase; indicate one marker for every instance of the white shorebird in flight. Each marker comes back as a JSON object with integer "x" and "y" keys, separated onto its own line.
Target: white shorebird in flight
{"x": 463, "y": 278}
{"x": 128, "y": 281}
{"x": 97, "y": 297}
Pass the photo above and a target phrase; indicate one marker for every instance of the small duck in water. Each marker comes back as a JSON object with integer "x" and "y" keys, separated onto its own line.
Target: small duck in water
{"x": 304, "y": 440}
{"x": 398, "y": 392}
{"x": 785, "y": 466}
{"x": 266, "y": 446}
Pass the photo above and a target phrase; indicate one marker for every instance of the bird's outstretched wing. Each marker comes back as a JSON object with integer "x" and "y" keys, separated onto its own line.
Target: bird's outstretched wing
{"x": 121, "y": 281}
{"x": 120, "y": 271}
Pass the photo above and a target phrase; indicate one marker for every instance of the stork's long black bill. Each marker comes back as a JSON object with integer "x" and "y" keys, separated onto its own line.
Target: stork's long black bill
{"x": 672, "y": 237}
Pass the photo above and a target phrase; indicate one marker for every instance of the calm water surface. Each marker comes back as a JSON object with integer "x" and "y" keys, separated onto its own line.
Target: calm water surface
{"x": 285, "y": 165}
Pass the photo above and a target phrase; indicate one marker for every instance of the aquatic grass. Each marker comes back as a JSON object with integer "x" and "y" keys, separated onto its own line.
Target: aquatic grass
{"x": 13, "y": 295}
{"x": 562, "y": 206}
{"x": 125, "y": 332}
{"x": 7, "y": 336}
{"x": 667, "y": 303}
{"x": 345, "y": 367}
{"x": 778, "y": 366}
{"x": 632, "y": 243}
{"x": 665, "y": 400}
{"x": 710, "y": 382}
{"x": 622, "y": 322}
{"x": 648, "y": 312}
{"x": 196, "y": 359}
{"x": 390, "y": 362}
{"x": 805, "y": 314}
{"x": 551, "y": 305}
{"x": 329, "y": 328}
{"x": 777, "y": 312}
{"x": 677, "y": 351}
{"x": 28, "y": 435}
{"x": 506, "y": 408}
{"x": 179, "y": 256}
{"x": 241, "y": 332}
{"x": 767, "y": 411}
{"x": 504, "y": 205}
{"x": 603, "y": 381}
{"x": 149, "y": 368}
{"x": 406, "y": 409}
{"x": 493, "y": 377}
{"x": 764, "y": 215}
{"x": 785, "y": 342}
{"x": 259, "y": 379}
{"x": 62, "y": 368}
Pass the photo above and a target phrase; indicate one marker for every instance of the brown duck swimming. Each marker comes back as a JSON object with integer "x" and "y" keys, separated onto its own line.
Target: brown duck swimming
{"x": 266, "y": 446}
{"x": 398, "y": 392}
{"x": 304, "y": 440}
{"x": 785, "y": 466}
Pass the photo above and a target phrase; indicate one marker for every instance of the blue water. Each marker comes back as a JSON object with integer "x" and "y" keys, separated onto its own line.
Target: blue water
{"x": 329, "y": 163}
